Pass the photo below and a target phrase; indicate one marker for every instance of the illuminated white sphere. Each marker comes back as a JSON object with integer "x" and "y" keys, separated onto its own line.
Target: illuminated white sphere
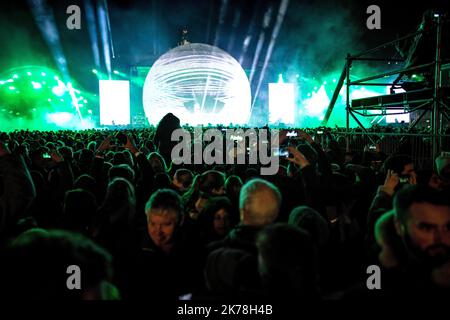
{"x": 199, "y": 84}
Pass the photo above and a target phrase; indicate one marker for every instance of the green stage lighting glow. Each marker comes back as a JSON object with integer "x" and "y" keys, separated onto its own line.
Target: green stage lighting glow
{"x": 56, "y": 78}
{"x": 116, "y": 72}
{"x": 29, "y": 73}
{"x": 15, "y": 76}
{"x": 43, "y": 74}
{"x": 12, "y": 88}
{"x": 49, "y": 100}
{"x": 94, "y": 71}
{"x": 59, "y": 118}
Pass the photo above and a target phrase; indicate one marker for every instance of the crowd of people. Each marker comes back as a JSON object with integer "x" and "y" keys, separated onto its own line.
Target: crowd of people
{"x": 138, "y": 226}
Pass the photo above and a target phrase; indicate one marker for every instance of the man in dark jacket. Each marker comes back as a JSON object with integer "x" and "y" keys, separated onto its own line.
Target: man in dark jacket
{"x": 259, "y": 206}
{"x": 169, "y": 265}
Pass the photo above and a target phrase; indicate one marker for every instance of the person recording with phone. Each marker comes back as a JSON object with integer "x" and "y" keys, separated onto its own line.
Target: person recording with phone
{"x": 399, "y": 171}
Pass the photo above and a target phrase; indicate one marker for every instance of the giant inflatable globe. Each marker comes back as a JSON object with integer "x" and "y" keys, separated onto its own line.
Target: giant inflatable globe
{"x": 199, "y": 84}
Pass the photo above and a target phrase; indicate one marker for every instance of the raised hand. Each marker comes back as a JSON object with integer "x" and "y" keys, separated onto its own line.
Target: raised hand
{"x": 56, "y": 156}
{"x": 106, "y": 144}
{"x": 391, "y": 181}
{"x": 303, "y": 135}
{"x": 298, "y": 157}
{"x": 131, "y": 145}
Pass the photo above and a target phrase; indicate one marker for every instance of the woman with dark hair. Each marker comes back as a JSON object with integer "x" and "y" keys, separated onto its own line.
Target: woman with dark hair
{"x": 116, "y": 222}
{"x": 209, "y": 183}
{"x": 118, "y": 228}
{"x": 157, "y": 162}
{"x": 214, "y": 220}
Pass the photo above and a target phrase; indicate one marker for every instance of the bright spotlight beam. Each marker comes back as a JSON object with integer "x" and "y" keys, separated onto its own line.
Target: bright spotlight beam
{"x": 222, "y": 14}
{"x": 259, "y": 45}
{"x": 101, "y": 13}
{"x": 280, "y": 17}
{"x": 45, "y": 21}
{"x": 92, "y": 29}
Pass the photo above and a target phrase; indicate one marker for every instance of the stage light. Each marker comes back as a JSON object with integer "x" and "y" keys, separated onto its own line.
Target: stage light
{"x": 197, "y": 73}
{"x": 43, "y": 74}
{"x": 317, "y": 104}
{"x": 334, "y": 80}
{"x": 94, "y": 71}
{"x": 58, "y": 91}
{"x": 281, "y": 102}
{"x": 15, "y": 76}
{"x": 85, "y": 101}
{"x": 105, "y": 35}
{"x": 36, "y": 85}
{"x": 280, "y": 78}
{"x": 90, "y": 111}
{"x": 114, "y": 102}
{"x": 59, "y": 118}
{"x": 45, "y": 20}
{"x": 49, "y": 100}
{"x": 56, "y": 78}
{"x": 273, "y": 38}
{"x": 92, "y": 29}
{"x": 29, "y": 73}
{"x": 324, "y": 83}
{"x": 116, "y": 72}
{"x": 12, "y": 88}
